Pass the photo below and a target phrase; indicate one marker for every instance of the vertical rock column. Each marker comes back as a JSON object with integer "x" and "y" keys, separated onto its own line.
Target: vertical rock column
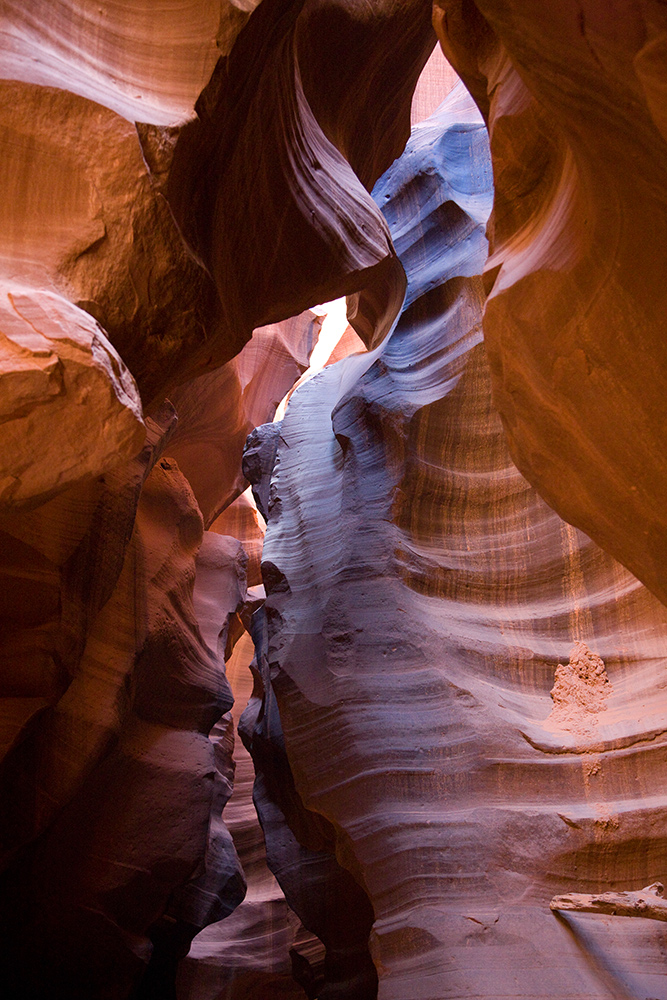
{"x": 300, "y": 844}
{"x": 573, "y": 94}
{"x": 128, "y": 778}
{"x": 420, "y": 597}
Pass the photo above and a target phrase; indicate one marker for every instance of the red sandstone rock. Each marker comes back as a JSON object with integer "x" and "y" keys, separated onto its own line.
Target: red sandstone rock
{"x": 115, "y": 782}
{"x": 574, "y": 320}
{"x": 248, "y": 953}
{"x": 95, "y": 228}
{"x": 217, "y": 411}
{"x": 424, "y": 599}
{"x": 302, "y": 193}
{"x": 110, "y": 688}
{"x": 69, "y": 408}
{"x": 60, "y": 565}
{"x": 144, "y": 63}
{"x": 242, "y": 520}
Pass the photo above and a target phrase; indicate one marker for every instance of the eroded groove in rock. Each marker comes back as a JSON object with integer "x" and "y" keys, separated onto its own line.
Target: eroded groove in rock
{"x": 300, "y": 850}
{"x": 574, "y": 323}
{"x": 116, "y": 780}
{"x": 421, "y": 595}
{"x": 250, "y": 952}
{"x": 301, "y": 194}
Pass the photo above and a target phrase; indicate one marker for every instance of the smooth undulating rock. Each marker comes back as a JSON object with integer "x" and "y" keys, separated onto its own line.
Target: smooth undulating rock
{"x": 60, "y": 566}
{"x": 302, "y": 194}
{"x": 249, "y": 953}
{"x": 125, "y": 774}
{"x": 574, "y": 96}
{"x": 109, "y": 691}
{"x": 214, "y": 893}
{"x": 217, "y": 411}
{"x": 146, "y": 63}
{"x": 300, "y": 844}
{"x": 360, "y": 85}
{"x": 69, "y": 409}
{"x": 472, "y": 723}
{"x": 300, "y": 849}
{"x": 421, "y": 596}
{"x": 242, "y": 520}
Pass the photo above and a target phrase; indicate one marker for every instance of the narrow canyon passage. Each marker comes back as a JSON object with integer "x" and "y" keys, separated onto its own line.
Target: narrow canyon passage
{"x": 333, "y": 645}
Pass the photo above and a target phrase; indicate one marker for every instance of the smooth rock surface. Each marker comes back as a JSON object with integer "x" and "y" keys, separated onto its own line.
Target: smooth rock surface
{"x": 471, "y": 691}
{"x": 300, "y": 849}
{"x": 263, "y": 106}
{"x": 69, "y": 408}
{"x": 112, "y": 792}
{"x": 217, "y": 411}
{"x": 421, "y": 595}
{"x": 145, "y": 62}
{"x": 248, "y": 953}
{"x": 574, "y": 96}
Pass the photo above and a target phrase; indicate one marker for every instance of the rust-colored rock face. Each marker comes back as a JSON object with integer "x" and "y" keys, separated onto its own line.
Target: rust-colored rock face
{"x": 574, "y": 95}
{"x": 311, "y": 684}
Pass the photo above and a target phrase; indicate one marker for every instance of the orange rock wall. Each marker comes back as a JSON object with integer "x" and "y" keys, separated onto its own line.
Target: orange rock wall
{"x": 470, "y": 688}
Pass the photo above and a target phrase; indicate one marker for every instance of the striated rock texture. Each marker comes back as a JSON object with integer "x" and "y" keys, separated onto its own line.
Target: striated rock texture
{"x": 267, "y": 105}
{"x": 470, "y": 690}
{"x": 61, "y": 564}
{"x": 251, "y": 953}
{"x": 574, "y": 94}
{"x": 111, "y": 791}
{"x": 300, "y": 850}
{"x": 145, "y": 63}
{"x": 248, "y": 954}
{"x": 113, "y": 846}
{"x": 421, "y": 595}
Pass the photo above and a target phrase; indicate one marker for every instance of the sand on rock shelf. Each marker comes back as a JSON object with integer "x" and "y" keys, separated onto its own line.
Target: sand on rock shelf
{"x": 333, "y": 605}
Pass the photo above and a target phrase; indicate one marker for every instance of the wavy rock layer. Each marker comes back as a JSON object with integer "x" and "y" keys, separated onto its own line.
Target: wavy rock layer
{"x": 470, "y": 688}
{"x": 145, "y": 62}
{"x": 574, "y": 97}
{"x": 112, "y": 840}
{"x": 248, "y": 953}
{"x": 217, "y": 411}
{"x": 262, "y": 108}
{"x": 109, "y": 794}
{"x": 421, "y": 596}
{"x": 300, "y": 850}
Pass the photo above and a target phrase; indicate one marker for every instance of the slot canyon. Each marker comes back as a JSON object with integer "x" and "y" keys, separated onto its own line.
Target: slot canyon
{"x": 333, "y": 559}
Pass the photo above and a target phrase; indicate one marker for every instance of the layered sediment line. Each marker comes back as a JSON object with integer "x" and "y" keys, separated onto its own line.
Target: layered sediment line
{"x": 421, "y": 596}
{"x": 574, "y": 320}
